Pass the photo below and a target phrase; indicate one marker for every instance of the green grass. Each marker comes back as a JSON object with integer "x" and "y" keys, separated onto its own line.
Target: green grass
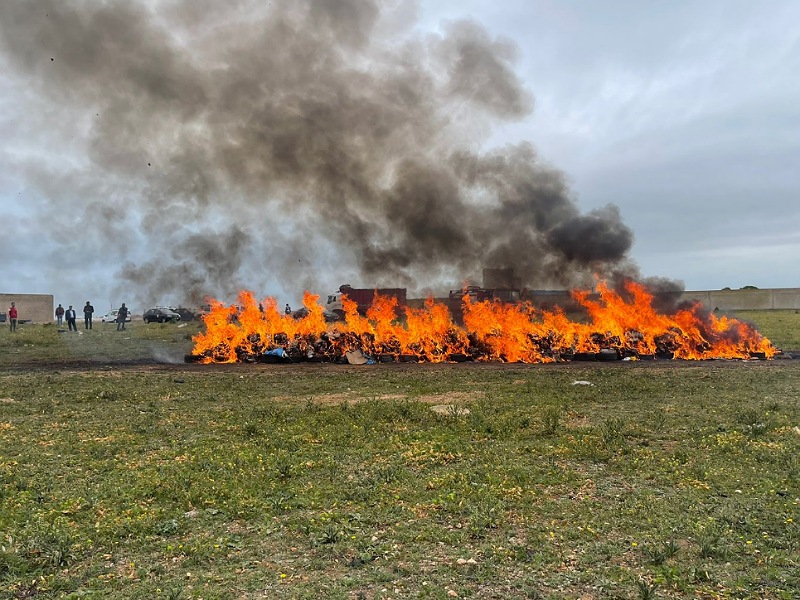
{"x": 124, "y": 478}
{"x": 40, "y": 344}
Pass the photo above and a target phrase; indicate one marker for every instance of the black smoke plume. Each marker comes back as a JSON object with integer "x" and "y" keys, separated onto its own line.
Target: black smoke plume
{"x": 221, "y": 145}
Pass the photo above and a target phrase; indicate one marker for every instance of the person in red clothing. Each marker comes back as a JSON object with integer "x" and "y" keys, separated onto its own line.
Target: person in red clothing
{"x": 12, "y": 316}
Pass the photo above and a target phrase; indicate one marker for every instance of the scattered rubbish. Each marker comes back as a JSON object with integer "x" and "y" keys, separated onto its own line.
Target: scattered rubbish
{"x": 275, "y": 355}
{"x": 582, "y": 382}
{"x": 357, "y": 357}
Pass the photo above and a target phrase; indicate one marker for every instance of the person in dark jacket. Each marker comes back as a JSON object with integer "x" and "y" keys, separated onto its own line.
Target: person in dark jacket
{"x": 60, "y": 315}
{"x": 70, "y": 316}
{"x": 122, "y": 316}
{"x": 88, "y": 310}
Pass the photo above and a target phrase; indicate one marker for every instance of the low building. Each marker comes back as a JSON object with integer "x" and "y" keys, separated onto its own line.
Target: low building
{"x": 33, "y": 308}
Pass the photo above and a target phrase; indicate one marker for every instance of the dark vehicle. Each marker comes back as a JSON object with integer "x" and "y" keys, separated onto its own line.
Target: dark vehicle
{"x": 185, "y": 313}
{"x": 160, "y": 314}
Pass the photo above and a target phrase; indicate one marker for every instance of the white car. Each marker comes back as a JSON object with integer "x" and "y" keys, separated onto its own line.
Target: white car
{"x": 111, "y": 317}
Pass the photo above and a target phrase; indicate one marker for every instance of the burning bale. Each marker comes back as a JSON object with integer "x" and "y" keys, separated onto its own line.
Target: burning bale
{"x": 618, "y": 325}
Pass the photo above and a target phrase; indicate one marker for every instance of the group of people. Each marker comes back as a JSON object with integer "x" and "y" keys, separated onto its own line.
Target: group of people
{"x": 70, "y": 316}
{"x": 88, "y": 311}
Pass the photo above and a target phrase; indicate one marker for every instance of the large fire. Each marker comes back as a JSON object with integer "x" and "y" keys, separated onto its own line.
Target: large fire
{"x": 617, "y": 325}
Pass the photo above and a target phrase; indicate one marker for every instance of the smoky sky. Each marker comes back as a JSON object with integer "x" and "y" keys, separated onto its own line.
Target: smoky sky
{"x": 304, "y": 139}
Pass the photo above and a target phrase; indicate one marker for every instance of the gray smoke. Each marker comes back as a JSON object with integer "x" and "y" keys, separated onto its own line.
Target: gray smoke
{"x": 303, "y": 142}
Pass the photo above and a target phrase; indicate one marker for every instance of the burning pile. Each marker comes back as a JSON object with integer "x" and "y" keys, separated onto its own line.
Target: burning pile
{"x": 616, "y": 326}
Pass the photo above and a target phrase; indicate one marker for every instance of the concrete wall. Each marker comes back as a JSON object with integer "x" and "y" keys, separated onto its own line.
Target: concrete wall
{"x": 38, "y": 308}
{"x": 767, "y": 299}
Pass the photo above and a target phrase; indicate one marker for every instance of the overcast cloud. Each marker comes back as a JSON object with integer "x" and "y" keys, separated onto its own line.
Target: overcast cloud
{"x": 157, "y": 151}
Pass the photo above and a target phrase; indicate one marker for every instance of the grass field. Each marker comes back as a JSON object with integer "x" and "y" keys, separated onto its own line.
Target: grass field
{"x": 125, "y": 476}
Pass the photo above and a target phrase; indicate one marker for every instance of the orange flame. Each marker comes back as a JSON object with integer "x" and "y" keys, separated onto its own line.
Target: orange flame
{"x": 628, "y": 325}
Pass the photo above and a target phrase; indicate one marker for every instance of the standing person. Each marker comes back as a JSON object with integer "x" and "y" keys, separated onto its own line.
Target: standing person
{"x": 60, "y": 315}
{"x": 12, "y": 317}
{"x": 287, "y": 310}
{"x": 122, "y": 316}
{"x": 88, "y": 309}
{"x": 70, "y": 316}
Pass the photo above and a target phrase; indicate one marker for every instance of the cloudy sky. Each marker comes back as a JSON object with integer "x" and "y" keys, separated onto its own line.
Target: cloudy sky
{"x": 154, "y": 147}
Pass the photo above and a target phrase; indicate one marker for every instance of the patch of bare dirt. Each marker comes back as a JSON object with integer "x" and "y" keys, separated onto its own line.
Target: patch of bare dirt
{"x": 151, "y": 365}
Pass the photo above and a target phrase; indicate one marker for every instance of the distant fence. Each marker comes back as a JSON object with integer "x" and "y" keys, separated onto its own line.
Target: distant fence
{"x": 766, "y": 299}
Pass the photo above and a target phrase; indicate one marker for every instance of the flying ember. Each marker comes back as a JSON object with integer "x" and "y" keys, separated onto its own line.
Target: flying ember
{"x": 620, "y": 325}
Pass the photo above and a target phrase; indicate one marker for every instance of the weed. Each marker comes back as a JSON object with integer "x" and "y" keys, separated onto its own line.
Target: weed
{"x": 658, "y": 553}
{"x": 710, "y": 547}
{"x": 483, "y": 517}
{"x": 646, "y": 591}
{"x": 670, "y": 548}
{"x": 701, "y": 575}
{"x": 364, "y": 554}
{"x": 751, "y": 421}
{"x": 551, "y": 420}
{"x": 251, "y": 429}
{"x": 655, "y": 554}
{"x": 283, "y": 470}
{"x": 612, "y": 433}
{"x": 9, "y": 561}
{"x": 389, "y": 473}
{"x": 49, "y": 545}
{"x": 174, "y": 593}
{"x": 658, "y": 420}
{"x": 331, "y": 534}
{"x": 281, "y": 503}
{"x": 523, "y": 554}
{"x": 168, "y": 527}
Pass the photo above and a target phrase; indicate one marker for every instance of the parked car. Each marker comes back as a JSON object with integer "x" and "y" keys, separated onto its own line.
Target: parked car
{"x": 111, "y": 317}
{"x": 160, "y": 314}
{"x": 185, "y": 313}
